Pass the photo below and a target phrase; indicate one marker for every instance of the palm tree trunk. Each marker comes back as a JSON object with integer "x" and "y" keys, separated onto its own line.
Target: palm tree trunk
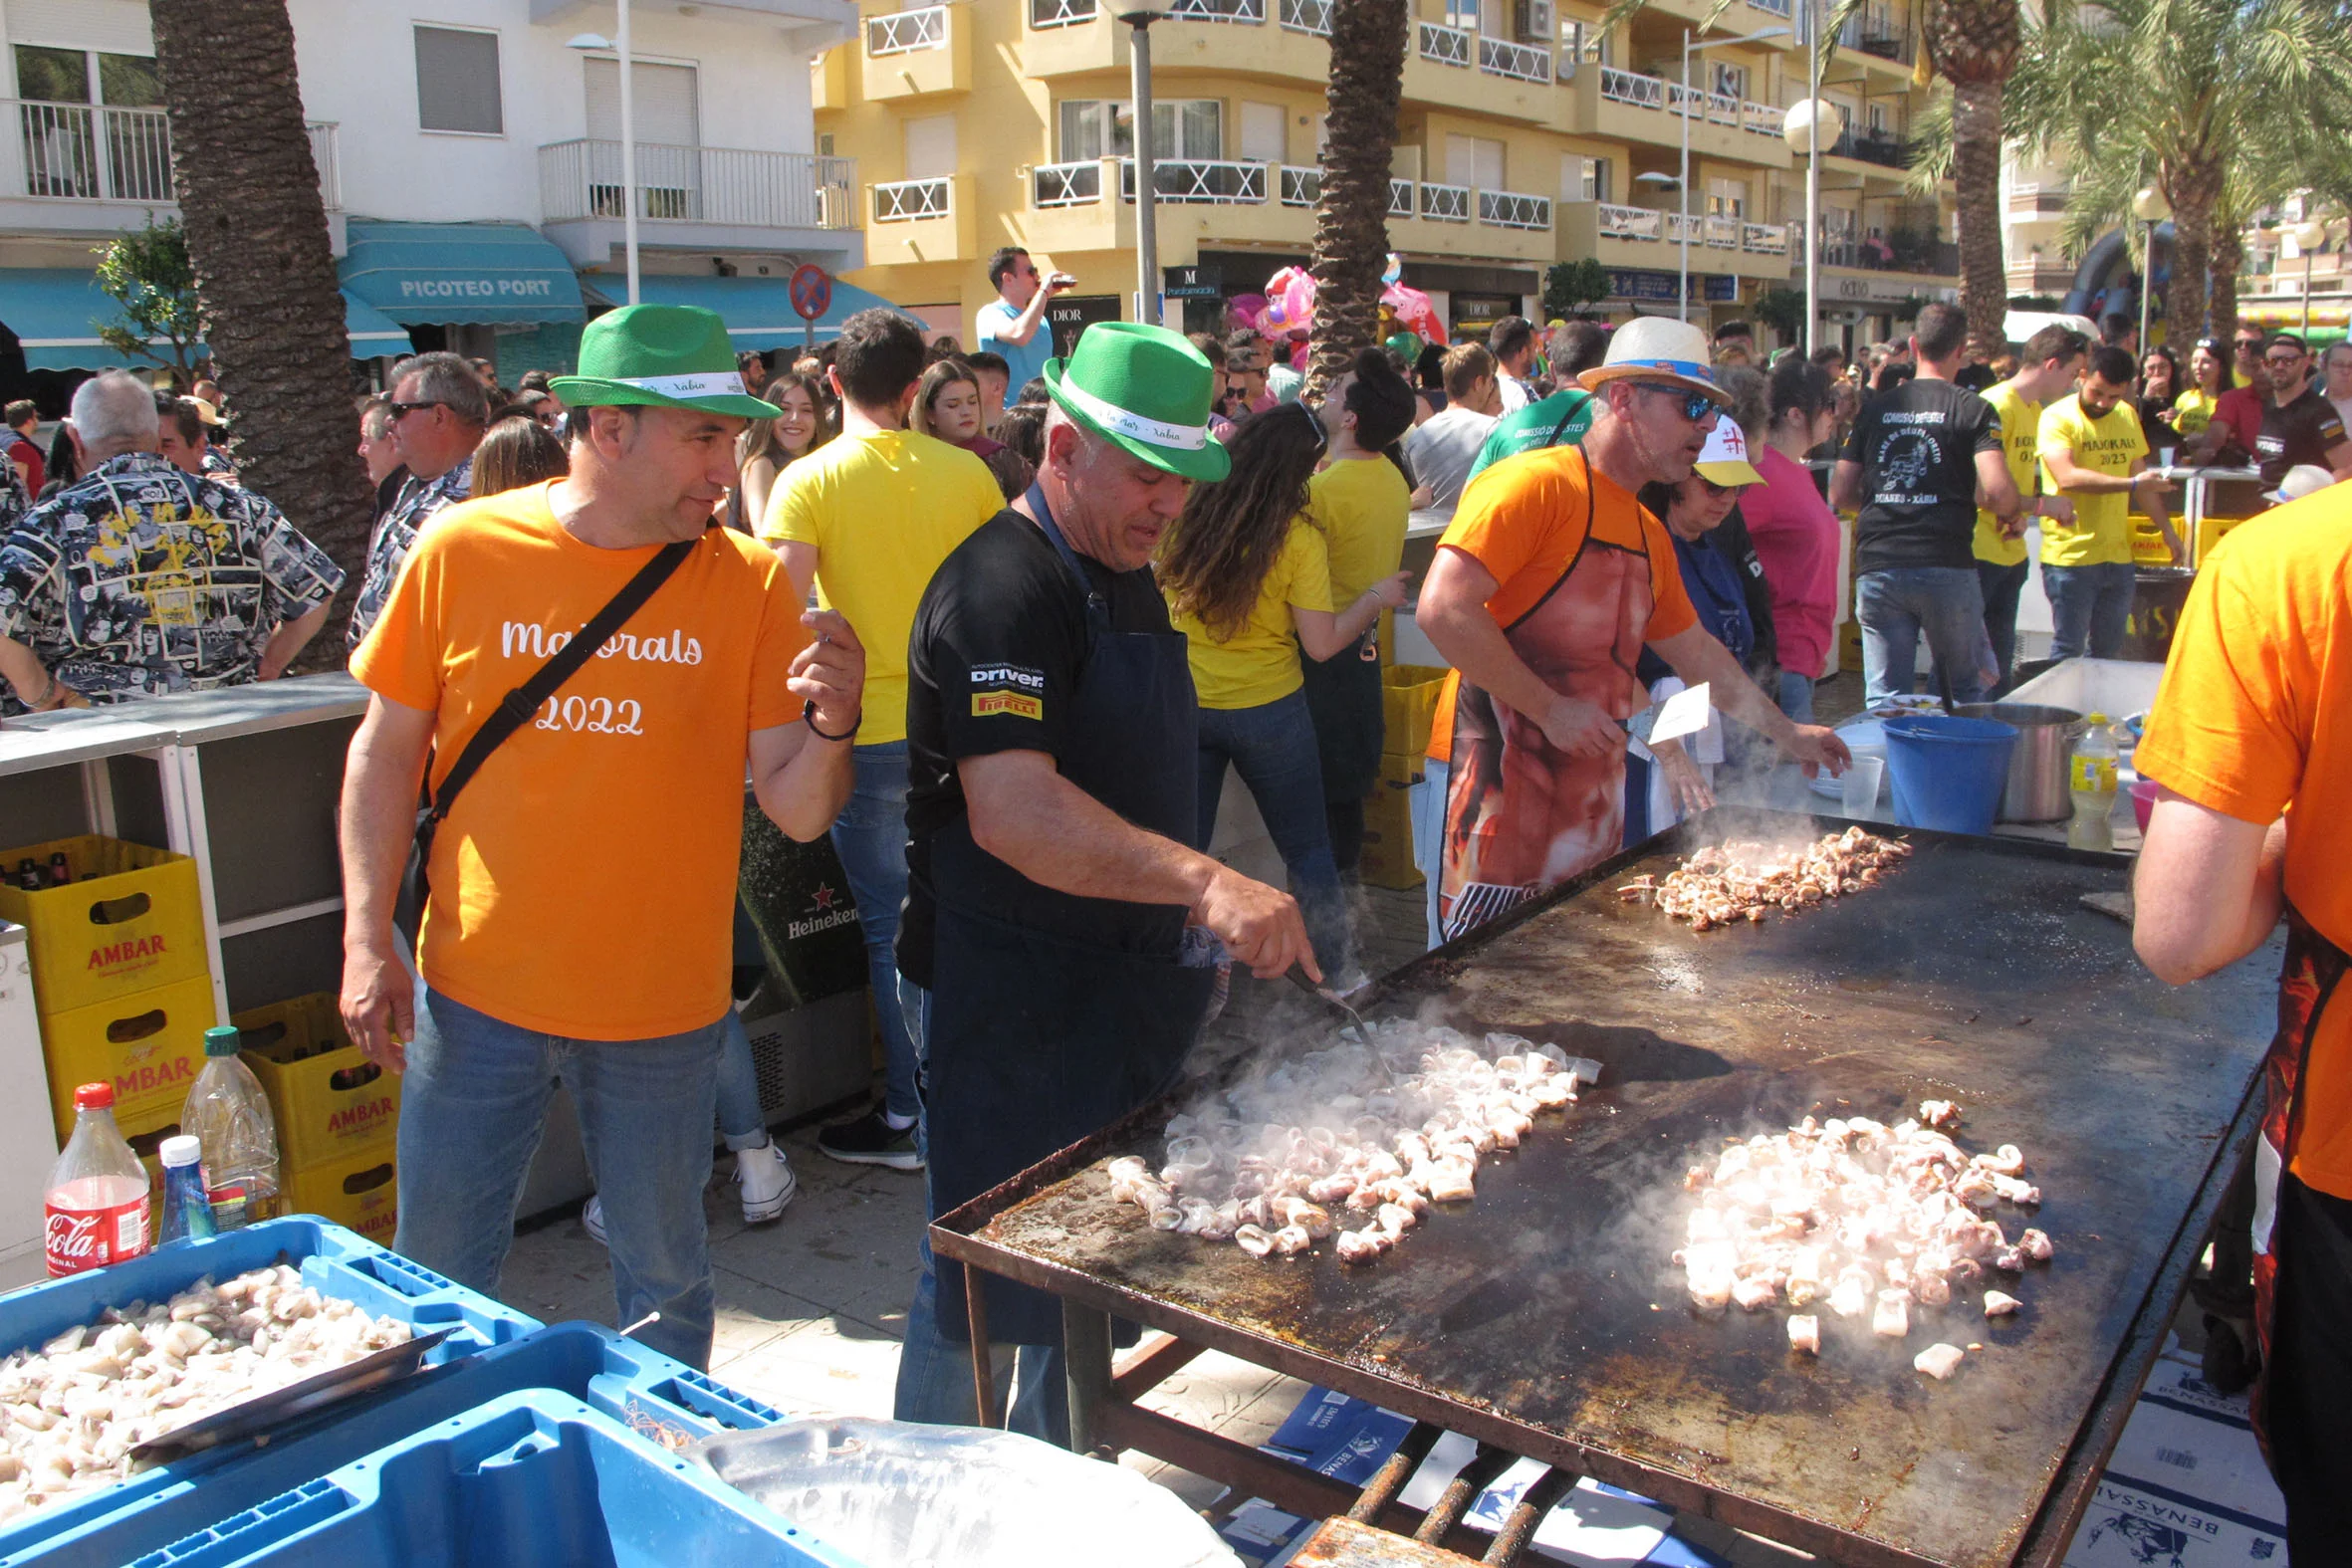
{"x": 2193, "y": 192}
{"x": 2227, "y": 261}
{"x": 1352, "y": 218}
{"x": 1975, "y": 178}
{"x": 256, "y": 226}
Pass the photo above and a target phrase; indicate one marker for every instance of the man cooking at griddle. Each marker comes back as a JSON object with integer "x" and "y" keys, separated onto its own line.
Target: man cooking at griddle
{"x": 2251, "y": 739}
{"x": 1051, "y": 736}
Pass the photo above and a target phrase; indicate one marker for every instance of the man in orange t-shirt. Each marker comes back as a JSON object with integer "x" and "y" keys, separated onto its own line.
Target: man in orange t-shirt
{"x": 1546, "y": 587}
{"x": 2251, "y": 739}
{"x": 583, "y": 885}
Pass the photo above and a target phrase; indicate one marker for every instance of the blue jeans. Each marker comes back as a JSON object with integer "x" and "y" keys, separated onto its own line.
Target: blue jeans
{"x": 2090, "y": 607}
{"x": 741, "y": 1120}
{"x": 473, "y": 1108}
{"x": 871, "y": 839}
{"x": 2002, "y": 587}
{"x": 1272, "y": 746}
{"x": 1947, "y": 605}
{"x": 1796, "y": 696}
{"x": 935, "y": 1372}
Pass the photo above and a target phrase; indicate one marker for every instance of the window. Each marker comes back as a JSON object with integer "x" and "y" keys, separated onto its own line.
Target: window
{"x": 1727, "y": 198}
{"x": 1582, "y": 178}
{"x": 930, "y": 144}
{"x": 65, "y": 76}
{"x": 1476, "y": 162}
{"x": 1729, "y": 81}
{"x": 457, "y": 82}
{"x": 1189, "y": 129}
{"x": 1462, "y": 14}
{"x": 1263, "y": 136}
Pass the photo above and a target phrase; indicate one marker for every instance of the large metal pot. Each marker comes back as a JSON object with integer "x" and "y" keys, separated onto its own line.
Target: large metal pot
{"x": 2037, "y": 791}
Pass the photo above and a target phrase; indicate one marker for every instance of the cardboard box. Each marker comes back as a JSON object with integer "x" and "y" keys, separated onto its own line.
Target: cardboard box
{"x": 360, "y": 1192}
{"x": 135, "y": 926}
{"x": 149, "y": 1046}
{"x": 1387, "y": 858}
{"x": 331, "y": 1102}
{"x": 1408, "y": 701}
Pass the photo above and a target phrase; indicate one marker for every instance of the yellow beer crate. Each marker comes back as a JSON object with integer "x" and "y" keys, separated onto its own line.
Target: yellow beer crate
{"x": 135, "y": 925}
{"x": 331, "y": 1102}
{"x": 361, "y": 1191}
{"x": 149, "y": 1046}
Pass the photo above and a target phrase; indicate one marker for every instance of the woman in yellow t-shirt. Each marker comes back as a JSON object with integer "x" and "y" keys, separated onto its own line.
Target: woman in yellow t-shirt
{"x": 1248, "y": 579}
{"x": 2209, "y": 378}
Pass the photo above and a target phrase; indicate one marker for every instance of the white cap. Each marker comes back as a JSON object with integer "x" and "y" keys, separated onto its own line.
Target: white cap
{"x": 2301, "y": 480}
{"x": 1725, "y": 458}
{"x": 182, "y": 1149}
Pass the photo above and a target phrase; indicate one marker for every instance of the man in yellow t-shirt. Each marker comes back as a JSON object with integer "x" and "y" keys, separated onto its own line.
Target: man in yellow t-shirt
{"x": 2093, "y": 453}
{"x": 2046, "y": 369}
{"x": 1362, "y": 502}
{"x": 582, "y": 884}
{"x": 868, "y": 518}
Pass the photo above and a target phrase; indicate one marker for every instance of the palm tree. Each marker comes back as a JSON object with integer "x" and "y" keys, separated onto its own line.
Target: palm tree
{"x": 256, "y": 228}
{"x": 2200, "y": 93}
{"x": 1351, "y": 213}
{"x": 1973, "y": 44}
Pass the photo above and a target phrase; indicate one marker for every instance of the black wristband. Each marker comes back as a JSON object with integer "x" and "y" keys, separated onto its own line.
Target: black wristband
{"x": 809, "y": 717}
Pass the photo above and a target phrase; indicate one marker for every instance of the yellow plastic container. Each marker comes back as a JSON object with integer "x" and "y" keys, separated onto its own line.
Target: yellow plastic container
{"x": 331, "y": 1102}
{"x": 149, "y": 1046}
{"x": 1387, "y": 857}
{"x": 1408, "y": 701}
{"x": 361, "y": 1191}
{"x": 135, "y": 926}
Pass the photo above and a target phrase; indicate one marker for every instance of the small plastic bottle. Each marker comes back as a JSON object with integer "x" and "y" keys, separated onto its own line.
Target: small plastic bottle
{"x": 96, "y": 1197}
{"x": 228, "y": 1113}
{"x": 188, "y": 1208}
{"x": 2090, "y": 779}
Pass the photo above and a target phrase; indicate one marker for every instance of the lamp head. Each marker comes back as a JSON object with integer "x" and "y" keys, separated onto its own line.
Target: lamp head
{"x": 588, "y": 41}
{"x": 2148, "y": 205}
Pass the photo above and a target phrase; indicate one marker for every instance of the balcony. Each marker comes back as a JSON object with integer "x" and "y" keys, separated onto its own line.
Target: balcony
{"x": 1902, "y": 252}
{"x": 915, "y": 53}
{"x": 1521, "y": 62}
{"x": 1510, "y": 209}
{"x": 1217, "y": 10}
{"x": 1270, "y": 38}
{"x": 88, "y": 170}
{"x": 1640, "y": 237}
{"x": 699, "y": 198}
{"x": 1879, "y": 39}
{"x": 1447, "y": 46}
{"x": 920, "y": 220}
{"x": 1872, "y": 147}
{"x": 1633, "y": 106}
{"x": 1308, "y": 16}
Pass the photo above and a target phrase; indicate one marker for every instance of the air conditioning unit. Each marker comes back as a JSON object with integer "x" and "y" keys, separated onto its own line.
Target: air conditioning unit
{"x": 1534, "y": 22}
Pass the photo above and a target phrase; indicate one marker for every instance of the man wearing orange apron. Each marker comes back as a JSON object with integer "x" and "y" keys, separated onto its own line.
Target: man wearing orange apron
{"x": 2251, "y": 740}
{"x": 1546, "y": 587}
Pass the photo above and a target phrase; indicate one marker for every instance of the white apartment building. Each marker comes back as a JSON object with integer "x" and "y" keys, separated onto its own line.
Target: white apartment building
{"x": 470, "y": 157}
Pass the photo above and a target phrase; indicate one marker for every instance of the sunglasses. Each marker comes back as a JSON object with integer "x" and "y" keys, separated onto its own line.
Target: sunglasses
{"x": 1323, "y": 439}
{"x": 2282, "y": 361}
{"x": 1695, "y": 405}
{"x": 403, "y": 410}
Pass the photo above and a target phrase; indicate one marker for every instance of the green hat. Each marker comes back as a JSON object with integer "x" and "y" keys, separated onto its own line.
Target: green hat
{"x": 1145, "y": 390}
{"x": 663, "y": 356}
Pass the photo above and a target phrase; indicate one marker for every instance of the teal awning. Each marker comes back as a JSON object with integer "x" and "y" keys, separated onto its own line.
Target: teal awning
{"x": 465, "y": 274}
{"x": 54, "y": 310}
{"x": 757, "y": 310}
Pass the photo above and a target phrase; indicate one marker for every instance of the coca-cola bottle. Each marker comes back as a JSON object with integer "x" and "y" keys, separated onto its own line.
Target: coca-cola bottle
{"x": 97, "y": 1191}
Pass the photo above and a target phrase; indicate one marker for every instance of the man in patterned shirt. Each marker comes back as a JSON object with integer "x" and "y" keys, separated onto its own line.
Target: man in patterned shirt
{"x": 139, "y": 580}
{"x": 438, "y": 411}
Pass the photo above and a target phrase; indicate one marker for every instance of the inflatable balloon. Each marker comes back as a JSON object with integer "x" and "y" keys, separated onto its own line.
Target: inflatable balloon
{"x": 1407, "y": 345}
{"x": 1244, "y": 310}
{"x": 1414, "y": 313}
{"x": 1396, "y": 270}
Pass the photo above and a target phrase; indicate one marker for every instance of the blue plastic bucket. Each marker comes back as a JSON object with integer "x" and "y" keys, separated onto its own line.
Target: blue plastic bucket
{"x": 1948, "y": 774}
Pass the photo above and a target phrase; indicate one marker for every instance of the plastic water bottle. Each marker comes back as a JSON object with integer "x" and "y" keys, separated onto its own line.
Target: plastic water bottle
{"x": 230, "y": 1116}
{"x": 2090, "y": 779}
{"x": 187, "y": 1207}
{"x": 96, "y": 1202}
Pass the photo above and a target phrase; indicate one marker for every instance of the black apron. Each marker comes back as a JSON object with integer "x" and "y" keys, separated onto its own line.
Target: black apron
{"x": 1343, "y": 700}
{"x": 1052, "y": 1015}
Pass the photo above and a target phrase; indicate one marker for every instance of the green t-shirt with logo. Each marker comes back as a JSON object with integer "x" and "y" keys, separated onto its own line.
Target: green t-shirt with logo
{"x": 1558, "y": 421}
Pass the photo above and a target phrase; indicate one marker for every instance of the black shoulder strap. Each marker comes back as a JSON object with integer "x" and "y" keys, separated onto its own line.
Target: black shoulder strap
{"x": 515, "y": 708}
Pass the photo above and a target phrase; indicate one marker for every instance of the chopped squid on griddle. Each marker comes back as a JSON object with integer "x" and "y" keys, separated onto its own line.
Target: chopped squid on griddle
{"x": 1881, "y": 1221}
{"x": 1745, "y": 879}
{"x": 1351, "y": 1142}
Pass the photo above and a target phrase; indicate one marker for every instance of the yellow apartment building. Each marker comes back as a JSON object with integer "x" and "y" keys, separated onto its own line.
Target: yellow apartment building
{"x": 1526, "y": 136}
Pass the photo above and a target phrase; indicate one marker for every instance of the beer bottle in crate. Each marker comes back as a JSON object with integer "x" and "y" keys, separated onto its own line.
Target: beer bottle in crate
{"x": 98, "y": 1191}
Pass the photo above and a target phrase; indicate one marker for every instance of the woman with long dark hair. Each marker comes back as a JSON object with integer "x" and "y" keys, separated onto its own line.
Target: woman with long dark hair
{"x": 1248, "y": 579}
{"x": 947, "y": 406}
{"x": 768, "y": 447}
{"x": 2209, "y": 378}
{"x": 2160, "y": 385}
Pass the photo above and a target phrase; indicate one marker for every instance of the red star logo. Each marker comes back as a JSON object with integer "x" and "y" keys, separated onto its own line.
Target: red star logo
{"x": 825, "y": 896}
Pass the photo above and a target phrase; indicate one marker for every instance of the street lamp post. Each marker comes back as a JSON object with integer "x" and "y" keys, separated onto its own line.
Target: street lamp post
{"x": 1805, "y": 129}
{"x": 620, "y": 44}
{"x": 1147, "y": 224}
{"x": 1683, "y": 175}
{"x": 2309, "y": 237}
{"x": 2149, "y": 207}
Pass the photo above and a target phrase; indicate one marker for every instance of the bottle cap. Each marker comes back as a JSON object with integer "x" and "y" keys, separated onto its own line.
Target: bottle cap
{"x": 221, "y": 1041}
{"x": 182, "y": 1149}
{"x": 94, "y": 1097}
{"x": 2097, "y": 718}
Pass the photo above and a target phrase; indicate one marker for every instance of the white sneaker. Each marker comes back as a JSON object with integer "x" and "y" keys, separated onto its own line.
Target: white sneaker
{"x": 766, "y": 1181}
{"x": 593, "y": 1216}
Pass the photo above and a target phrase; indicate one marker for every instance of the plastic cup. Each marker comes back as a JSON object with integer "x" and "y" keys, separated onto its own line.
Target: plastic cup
{"x": 1860, "y": 782}
{"x": 2165, "y": 455}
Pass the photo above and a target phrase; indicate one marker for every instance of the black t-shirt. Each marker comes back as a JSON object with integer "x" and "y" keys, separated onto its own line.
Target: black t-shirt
{"x": 1918, "y": 446}
{"x": 999, "y": 642}
{"x": 2303, "y": 431}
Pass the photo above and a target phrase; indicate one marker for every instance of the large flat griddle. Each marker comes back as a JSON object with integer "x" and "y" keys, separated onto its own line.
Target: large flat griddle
{"x": 1547, "y": 1316}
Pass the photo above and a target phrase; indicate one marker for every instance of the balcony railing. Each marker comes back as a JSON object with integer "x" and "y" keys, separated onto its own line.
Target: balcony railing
{"x": 1773, "y": 7}
{"x": 904, "y": 32}
{"x": 1448, "y": 46}
{"x": 1198, "y": 181}
{"x": 1888, "y": 151}
{"x": 90, "y": 152}
{"x": 1302, "y": 187}
{"x": 1400, "y": 198}
{"x": 1722, "y": 234}
{"x": 1877, "y": 36}
{"x": 1445, "y": 204}
{"x": 1762, "y": 118}
{"x": 1308, "y": 16}
{"x": 904, "y": 200}
{"x": 737, "y": 186}
{"x": 1499, "y": 57}
{"x": 1060, "y": 13}
{"x": 1764, "y": 239}
{"x": 1629, "y": 223}
{"x": 1066, "y": 184}
{"x": 1933, "y": 258}
{"x": 1217, "y": 10}
{"x": 1631, "y": 87}
{"x": 1510, "y": 209}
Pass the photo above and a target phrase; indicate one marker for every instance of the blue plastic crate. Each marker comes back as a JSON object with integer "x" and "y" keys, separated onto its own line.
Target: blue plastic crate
{"x": 337, "y": 1261}
{"x": 534, "y": 1479}
{"x": 663, "y": 1401}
